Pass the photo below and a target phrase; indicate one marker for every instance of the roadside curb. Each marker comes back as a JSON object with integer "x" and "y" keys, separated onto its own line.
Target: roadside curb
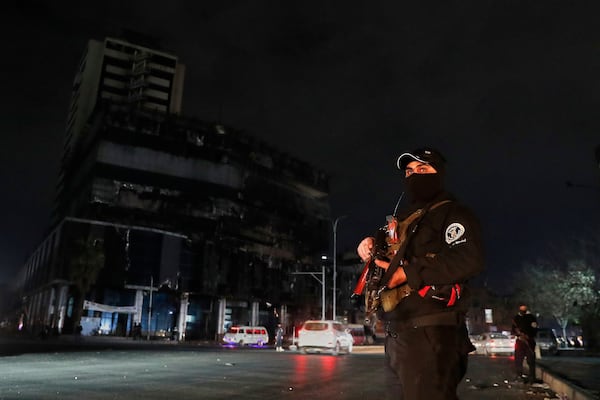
{"x": 562, "y": 386}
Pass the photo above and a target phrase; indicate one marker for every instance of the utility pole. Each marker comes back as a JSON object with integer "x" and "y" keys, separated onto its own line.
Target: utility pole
{"x": 335, "y": 223}
{"x": 150, "y": 307}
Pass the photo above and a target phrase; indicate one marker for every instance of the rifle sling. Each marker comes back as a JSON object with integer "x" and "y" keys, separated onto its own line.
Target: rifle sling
{"x": 396, "y": 261}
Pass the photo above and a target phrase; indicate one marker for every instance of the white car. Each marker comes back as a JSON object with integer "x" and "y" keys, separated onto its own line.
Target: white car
{"x": 324, "y": 336}
{"x": 494, "y": 343}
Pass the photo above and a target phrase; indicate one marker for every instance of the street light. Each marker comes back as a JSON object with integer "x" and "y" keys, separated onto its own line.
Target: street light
{"x": 322, "y": 282}
{"x": 335, "y": 223}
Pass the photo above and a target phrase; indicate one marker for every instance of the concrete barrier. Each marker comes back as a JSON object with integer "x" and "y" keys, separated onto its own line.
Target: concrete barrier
{"x": 567, "y": 390}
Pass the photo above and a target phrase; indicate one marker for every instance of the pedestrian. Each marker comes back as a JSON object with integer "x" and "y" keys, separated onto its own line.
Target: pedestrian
{"x": 524, "y": 327}
{"x": 137, "y": 330}
{"x": 279, "y": 338}
{"x": 429, "y": 252}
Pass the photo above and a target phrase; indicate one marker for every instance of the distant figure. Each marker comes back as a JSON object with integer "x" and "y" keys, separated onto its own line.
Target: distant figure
{"x": 77, "y": 333}
{"x": 525, "y": 327}
{"x": 279, "y": 338}
{"x": 136, "y": 332}
{"x": 45, "y": 332}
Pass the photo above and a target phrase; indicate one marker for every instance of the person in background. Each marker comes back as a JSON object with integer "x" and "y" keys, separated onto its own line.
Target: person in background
{"x": 436, "y": 247}
{"x": 524, "y": 327}
{"x": 279, "y": 338}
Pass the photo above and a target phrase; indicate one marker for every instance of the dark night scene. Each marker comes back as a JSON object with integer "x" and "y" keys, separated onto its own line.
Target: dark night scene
{"x": 205, "y": 200}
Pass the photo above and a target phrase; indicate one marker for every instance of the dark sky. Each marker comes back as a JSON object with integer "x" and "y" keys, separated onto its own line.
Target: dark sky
{"x": 509, "y": 91}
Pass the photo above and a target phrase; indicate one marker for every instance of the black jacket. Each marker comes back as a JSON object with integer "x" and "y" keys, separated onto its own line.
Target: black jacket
{"x": 525, "y": 324}
{"x": 445, "y": 249}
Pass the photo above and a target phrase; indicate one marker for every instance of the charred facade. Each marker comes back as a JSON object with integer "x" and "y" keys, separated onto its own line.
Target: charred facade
{"x": 179, "y": 225}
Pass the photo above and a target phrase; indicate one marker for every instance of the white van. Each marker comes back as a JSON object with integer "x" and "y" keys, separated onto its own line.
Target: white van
{"x": 246, "y": 335}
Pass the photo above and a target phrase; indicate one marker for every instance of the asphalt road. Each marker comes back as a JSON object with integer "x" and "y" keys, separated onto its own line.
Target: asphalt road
{"x": 175, "y": 372}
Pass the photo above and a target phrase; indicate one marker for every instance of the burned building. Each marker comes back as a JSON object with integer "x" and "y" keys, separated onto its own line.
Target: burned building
{"x": 166, "y": 222}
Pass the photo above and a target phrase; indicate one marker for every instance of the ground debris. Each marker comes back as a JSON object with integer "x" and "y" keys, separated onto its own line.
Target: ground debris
{"x": 535, "y": 391}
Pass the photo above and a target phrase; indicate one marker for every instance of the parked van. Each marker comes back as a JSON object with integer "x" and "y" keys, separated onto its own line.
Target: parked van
{"x": 246, "y": 335}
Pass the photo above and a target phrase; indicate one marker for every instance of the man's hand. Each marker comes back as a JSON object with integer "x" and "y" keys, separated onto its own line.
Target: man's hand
{"x": 398, "y": 278}
{"x": 365, "y": 252}
{"x": 365, "y": 248}
{"x": 382, "y": 264}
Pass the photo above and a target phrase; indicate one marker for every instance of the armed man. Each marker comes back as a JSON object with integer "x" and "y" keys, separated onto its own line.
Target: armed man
{"x": 436, "y": 247}
{"x": 525, "y": 327}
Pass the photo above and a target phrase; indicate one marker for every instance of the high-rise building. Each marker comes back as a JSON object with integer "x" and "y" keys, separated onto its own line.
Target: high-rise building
{"x": 151, "y": 199}
{"x": 115, "y": 71}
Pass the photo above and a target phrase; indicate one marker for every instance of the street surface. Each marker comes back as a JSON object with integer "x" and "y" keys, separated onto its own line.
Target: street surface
{"x": 187, "y": 372}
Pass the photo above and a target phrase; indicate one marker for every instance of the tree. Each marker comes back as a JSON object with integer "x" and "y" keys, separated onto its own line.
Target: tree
{"x": 86, "y": 261}
{"x": 563, "y": 293}
{"x": 572, "y": 276}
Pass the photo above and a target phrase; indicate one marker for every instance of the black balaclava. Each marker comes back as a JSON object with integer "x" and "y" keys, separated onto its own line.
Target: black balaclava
{"x": 423, "y": 188}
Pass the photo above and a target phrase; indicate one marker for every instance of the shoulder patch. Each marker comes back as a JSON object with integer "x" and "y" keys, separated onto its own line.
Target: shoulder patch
{"x": 454, "y": 231}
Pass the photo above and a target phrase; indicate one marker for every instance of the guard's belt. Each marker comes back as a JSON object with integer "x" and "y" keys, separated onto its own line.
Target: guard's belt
{"x": 439, "y": 319}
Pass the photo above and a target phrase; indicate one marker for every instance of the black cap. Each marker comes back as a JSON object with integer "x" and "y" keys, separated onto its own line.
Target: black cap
{"x": 424, "y": 155}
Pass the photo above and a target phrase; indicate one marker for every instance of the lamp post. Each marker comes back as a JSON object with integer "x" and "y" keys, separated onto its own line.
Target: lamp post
{"x": 335, "y": 223}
